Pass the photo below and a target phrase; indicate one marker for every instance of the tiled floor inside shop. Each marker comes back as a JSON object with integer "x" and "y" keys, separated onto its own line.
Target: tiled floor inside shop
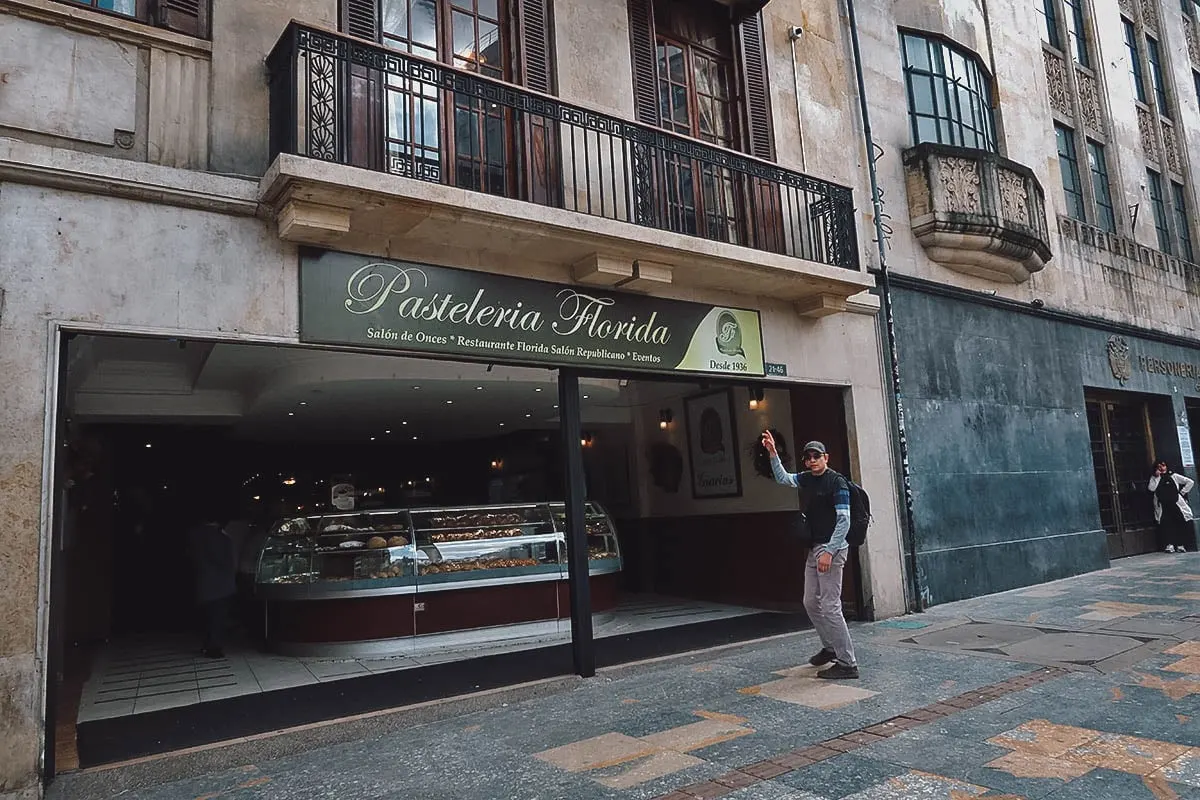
{"x": 155, "y": 673}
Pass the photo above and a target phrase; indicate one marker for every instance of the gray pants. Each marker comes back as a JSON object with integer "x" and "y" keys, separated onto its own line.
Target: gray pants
{"x": 823, "y": 602}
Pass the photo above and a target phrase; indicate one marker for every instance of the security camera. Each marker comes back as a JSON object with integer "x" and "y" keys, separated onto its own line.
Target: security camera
{"x": 795, "y": 32}
{"x": 1038, "y": 303}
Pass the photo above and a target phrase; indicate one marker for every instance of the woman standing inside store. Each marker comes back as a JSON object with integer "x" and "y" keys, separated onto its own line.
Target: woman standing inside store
{"x": 1172, "y": 511}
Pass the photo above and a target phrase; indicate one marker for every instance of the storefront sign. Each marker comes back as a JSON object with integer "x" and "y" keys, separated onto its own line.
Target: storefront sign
{"x": 366, "y": 302}
{"x": 1122, "y": 363}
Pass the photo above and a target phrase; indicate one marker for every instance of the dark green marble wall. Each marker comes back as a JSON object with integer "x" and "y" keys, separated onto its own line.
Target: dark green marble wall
{"x": 999, "y": 450}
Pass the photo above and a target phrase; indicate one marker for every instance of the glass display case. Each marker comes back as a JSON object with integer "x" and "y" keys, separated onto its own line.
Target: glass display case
{"x": 486, "y": 543}
{"x": 603, "y": 552}
{"x": 370, "y": 553}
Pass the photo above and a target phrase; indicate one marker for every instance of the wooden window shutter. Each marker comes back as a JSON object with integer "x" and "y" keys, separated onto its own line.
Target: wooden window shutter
{"x": 360, "y": 18}
{"x": 643, "y": 48}
{"x": 756, "y": 97}
{"x": 536, "y": 44}
{"x": 189, "y": 17}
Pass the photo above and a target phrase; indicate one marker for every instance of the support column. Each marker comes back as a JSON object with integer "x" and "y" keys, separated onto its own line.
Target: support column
{"x": 583, "y": 648}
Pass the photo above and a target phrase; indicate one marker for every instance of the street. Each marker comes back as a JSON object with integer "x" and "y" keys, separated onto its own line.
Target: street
{"x": 1083, "y": 688}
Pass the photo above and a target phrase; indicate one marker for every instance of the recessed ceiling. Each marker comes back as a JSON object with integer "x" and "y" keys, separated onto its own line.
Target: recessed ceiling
{"x": 272, "y": 393}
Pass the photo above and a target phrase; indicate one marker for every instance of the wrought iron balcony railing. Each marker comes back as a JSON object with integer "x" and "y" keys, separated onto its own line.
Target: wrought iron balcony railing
{"x": 347, "y": 101}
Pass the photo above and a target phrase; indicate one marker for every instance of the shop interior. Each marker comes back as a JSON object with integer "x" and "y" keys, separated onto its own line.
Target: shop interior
{"x": 389, "y": 513}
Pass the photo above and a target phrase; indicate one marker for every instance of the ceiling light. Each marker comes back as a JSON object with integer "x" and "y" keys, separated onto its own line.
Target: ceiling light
{"x": 258, "y": 497}
{"x": 405, "y": 422}
{"x": 537, "y": 388}
{"x": 479, "y": 388}
{"x": 527, "y": 416}
{"x": 148, "y": 445}
{"x": 372, "y": 438}
{"x": 303, "y": 403}
{"x": 449, "y": 402}
{"x": 290, "y": 482}
{"x": 756, "y": 397}
{"x": 414, "y": 438}
{"x": 585, "y": 397}
{"x": 501, "y": 424}
{"x": 416, "y": 387}
{"x": 664, "y": 418}
{"x": 291, "y": 413}
{"x": 387, "y": 431}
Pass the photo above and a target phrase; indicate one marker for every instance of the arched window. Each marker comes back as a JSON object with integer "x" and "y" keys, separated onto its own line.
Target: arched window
{"x": 949, "y": 94}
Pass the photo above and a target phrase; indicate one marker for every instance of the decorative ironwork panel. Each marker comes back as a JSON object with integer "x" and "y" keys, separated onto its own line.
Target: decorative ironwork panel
{"x": 1171, "y": 153}
{"x": 1056, "y": 82}
{"x": 1014, "y": 197}
{"x": 959, "y": 179}
{"x": 1146, "y": 128}
{"x": 1089, "y": 100}
{"x": 321, "y": 78}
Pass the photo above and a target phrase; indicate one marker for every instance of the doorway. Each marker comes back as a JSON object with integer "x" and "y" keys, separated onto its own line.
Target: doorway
{"x": 1120, "y": 431}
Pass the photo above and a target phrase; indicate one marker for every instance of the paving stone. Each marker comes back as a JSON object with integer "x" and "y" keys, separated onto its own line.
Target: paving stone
{"x": 839, "y": 777}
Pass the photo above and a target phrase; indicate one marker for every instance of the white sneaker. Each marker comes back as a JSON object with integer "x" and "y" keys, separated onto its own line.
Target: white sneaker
{"x": 1170, "y": 548}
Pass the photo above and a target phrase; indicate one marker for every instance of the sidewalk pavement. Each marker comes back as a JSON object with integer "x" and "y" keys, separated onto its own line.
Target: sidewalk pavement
{"x": 1086, "y": 688}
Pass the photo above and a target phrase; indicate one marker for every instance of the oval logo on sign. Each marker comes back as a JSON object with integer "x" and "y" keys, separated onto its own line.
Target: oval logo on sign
{"x": 729, "y": 335}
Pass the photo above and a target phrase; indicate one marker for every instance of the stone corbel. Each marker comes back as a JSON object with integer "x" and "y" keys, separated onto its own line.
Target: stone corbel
{"x": 648, "y": 275}
{"x": 306, "y": 222}
{"x": 597, "y": 269}
{"x": 820, "y": 305}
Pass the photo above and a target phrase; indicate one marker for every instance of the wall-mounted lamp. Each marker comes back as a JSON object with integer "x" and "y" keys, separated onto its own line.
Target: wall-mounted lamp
{"x": 586, "y": 440}
{"x": 664, "y": 418}
{"x": 756, "y": 398}
{"x": 497, "y": 465}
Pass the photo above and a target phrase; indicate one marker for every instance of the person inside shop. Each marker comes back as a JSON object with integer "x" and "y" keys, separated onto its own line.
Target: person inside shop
{"x": 210, "y": 550}
{"x": 1172, "y": 511}
{"x": 825, "y": 504}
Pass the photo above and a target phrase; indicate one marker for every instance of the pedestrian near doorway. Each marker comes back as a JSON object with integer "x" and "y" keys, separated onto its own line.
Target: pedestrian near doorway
{"x": 825, "y": 503}
{"x": 1172, "y": 511}
{"x": 214, "y": 569}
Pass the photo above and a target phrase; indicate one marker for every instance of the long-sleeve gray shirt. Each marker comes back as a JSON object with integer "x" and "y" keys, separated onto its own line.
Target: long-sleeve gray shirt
{"x": 841, "y": 505}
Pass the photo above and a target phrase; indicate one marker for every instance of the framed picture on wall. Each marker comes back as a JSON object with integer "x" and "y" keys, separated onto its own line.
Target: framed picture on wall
{"x": 713, "y": 445}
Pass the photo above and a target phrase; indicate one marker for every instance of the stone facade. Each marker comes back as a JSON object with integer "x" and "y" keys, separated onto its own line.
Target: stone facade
{"x": 1005, "y": 359}
{"x": 135, "y": 197}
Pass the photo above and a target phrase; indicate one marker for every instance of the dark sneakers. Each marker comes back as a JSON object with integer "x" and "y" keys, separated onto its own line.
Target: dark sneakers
{"x": 822, "y": 658}
{"x": 838, "y": 672}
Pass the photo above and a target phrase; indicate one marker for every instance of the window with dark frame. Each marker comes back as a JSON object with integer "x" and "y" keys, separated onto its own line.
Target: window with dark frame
{"x": 1158, "y": 205}
{"x": 949, "y": 94}
{"x": 695, "y": 67}
{"x": 1182, "y": 229}
{"x": 1156, "y": 77}
{"x": 1077, "y": 32}
{"x": 189, "y": 17}
{"x": 1106, "y": 218}
{"x": 1136, "y": 79}
{"x": 1068, "y": 165}
{"x": 1047, "y": 10}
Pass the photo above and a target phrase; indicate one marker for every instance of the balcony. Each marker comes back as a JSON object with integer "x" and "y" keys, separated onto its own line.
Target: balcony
{"x": 977, "y": 213}
{"x": 378, "y": 151}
